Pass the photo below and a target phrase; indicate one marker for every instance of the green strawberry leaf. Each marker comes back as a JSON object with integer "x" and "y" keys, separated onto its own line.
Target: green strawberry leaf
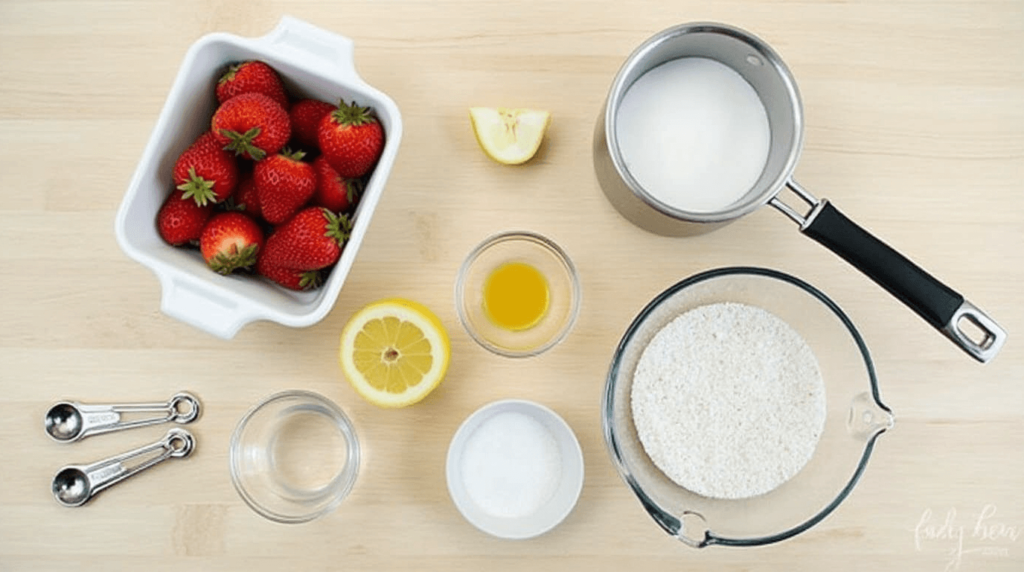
{"x": 242, "y": 143}
{"x": 338, "y": 227}
{"x": 232, "y": 205}
{"x": 198, "y": 188}
{"x": 352, "y": 115}
{"x": 353, "y": 189}
{"x": 296, "y": 155}
{"x": 310, "y": 280}
{"x": 226, "y": 263}
{"x": 230, "y": 74}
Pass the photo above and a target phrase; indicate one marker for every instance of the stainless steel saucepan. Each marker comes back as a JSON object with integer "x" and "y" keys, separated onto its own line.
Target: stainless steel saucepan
{"x": 764, "y": 70}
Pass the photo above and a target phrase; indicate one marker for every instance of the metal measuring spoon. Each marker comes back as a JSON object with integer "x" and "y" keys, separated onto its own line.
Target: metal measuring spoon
{"x": 74, "y": 485}
{"x": 67, "y": 421}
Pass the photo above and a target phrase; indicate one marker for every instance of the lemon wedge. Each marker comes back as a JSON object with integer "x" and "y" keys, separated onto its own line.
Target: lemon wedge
{"x": 394, "y": 352}
{"x": 509, "y": 136}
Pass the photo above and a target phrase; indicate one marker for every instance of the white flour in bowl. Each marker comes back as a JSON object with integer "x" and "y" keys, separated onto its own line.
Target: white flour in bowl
{"x": 728, "y": 401}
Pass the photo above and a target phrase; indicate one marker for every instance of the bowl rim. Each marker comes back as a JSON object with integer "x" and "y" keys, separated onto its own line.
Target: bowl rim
{"x": 673, "y": 525}
{"x": 345, "y": 478}
{"x": 569, "y": 458}
{"x": 535, "y": 239}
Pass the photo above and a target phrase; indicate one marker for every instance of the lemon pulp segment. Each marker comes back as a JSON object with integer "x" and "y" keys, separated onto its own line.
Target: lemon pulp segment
{"x": 391, "y": 354}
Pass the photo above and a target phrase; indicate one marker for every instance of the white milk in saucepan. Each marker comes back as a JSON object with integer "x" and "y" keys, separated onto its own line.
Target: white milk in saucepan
{"x": 694, "y": 134}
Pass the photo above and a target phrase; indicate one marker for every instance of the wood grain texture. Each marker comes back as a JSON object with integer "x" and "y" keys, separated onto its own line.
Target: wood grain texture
{"x": 915, "y": 128}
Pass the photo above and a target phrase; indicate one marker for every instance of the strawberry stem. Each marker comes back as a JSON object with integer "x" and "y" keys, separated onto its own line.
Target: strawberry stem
{"x": 310, "y": 280}
{"x": 353, "y": 189}
{"x": 232, "y": 205}
{"x": 198, "y": 188}
{"x": 229, "y": 74}
{"x": 338, "y": 227}
{"x": 296, "y": 155}
{"x": 352, "y": 115}
{"x": 226, "y": 263}
{"x": 242, "y": 143}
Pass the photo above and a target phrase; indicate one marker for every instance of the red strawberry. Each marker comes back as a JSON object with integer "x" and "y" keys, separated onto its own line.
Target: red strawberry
{"x": 351, "y": 139}
{"x": 311, "y": 240}
{"x": 305, "y": 116}
{"x": 291, "y": 279}
{"x": 283, "y": 185}
{"x": 230, "y": 241}
{"x": 180, "y": 220}
{"x": 251, "y": 77}
{"x": 205, "y": 171}
{"x": 246, "y": 200}
{"x": 252, "y": 125}
{"x": 334, "y": 192}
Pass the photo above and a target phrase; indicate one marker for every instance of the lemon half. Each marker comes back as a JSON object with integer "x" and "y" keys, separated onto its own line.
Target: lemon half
{"x": 394, "y": 352}
{"x": 509, "y": 136}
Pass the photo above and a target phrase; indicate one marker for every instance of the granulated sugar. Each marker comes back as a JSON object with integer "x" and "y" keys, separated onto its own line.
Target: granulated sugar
{"x": 728, "y": 401}
{"x": 694, "y": 134}
{"x": 511, "y": 465}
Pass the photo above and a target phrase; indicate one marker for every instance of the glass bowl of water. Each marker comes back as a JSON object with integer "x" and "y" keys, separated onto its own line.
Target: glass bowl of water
{"x": 294, "y": 457}
{"x": 846, "y": 408}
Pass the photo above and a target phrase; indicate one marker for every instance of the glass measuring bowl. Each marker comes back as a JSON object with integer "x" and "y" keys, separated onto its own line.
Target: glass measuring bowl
{"x": 855, "y": 416}
{"x": 294, "y": 457}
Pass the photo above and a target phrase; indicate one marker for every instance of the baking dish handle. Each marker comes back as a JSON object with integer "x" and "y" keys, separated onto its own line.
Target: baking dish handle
{"x": 197, "y": 305}
{"x": 305, "y": 40}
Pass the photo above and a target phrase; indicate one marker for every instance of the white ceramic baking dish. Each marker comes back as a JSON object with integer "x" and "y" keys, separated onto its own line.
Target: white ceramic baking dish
{"x": 312, "y": 63}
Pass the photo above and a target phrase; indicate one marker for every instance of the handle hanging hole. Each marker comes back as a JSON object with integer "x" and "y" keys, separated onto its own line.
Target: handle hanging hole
{"x": 182, "y": 407}
{"x": 974, "y": 331}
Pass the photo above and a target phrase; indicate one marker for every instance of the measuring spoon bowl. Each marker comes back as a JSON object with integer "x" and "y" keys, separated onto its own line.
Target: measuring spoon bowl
{"x": 68, "y": 421}
{"x": 71, "y": 486}
{"x": 74, "y": 485}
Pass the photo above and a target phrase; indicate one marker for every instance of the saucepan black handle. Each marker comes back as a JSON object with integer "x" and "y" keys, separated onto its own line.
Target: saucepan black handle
{"x": 938, "y": 304}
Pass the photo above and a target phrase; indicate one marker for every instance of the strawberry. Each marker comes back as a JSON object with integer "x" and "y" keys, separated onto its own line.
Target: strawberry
{"x": 206, "y": 172}
{"x": 283, "y": 185}
{"x": 230, "y": 241}
{"x": 305, "y": 116}
{"x": 351, "y": 139}
{"x": 291, "y": 279}
{"x": 180, "y": 220}
{"x": 334, "y": 192}
{"x": 252, "y": 125}
{"x": 251, "y": 77}
{"x": 246, "y": 200}
{"x": 311, "y": 240}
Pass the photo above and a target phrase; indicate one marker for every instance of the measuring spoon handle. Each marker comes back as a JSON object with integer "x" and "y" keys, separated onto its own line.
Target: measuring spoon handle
{"x": 98, "y": 419}
{"x": 74, "y": 485}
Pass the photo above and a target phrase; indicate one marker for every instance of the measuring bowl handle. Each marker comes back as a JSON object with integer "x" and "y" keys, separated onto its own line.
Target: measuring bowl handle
{"x": 938, "y": 304}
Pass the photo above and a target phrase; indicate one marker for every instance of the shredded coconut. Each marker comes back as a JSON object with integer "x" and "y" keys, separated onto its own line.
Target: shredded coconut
{"x": 728, "y": 401}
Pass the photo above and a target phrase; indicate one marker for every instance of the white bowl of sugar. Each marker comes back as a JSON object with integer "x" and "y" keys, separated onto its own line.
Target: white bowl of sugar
{"x": 514, "y": 469}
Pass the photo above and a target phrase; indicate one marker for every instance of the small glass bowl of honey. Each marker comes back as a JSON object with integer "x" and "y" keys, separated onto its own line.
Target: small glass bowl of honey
{"x": 517, "y": 294}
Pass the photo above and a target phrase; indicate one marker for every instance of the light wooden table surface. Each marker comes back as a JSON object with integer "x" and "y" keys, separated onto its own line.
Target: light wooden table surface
{"x": 915, "y": 128}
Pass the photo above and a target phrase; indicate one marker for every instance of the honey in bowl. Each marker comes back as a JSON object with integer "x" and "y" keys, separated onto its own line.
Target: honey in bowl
{"x": 516, "y": 296}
